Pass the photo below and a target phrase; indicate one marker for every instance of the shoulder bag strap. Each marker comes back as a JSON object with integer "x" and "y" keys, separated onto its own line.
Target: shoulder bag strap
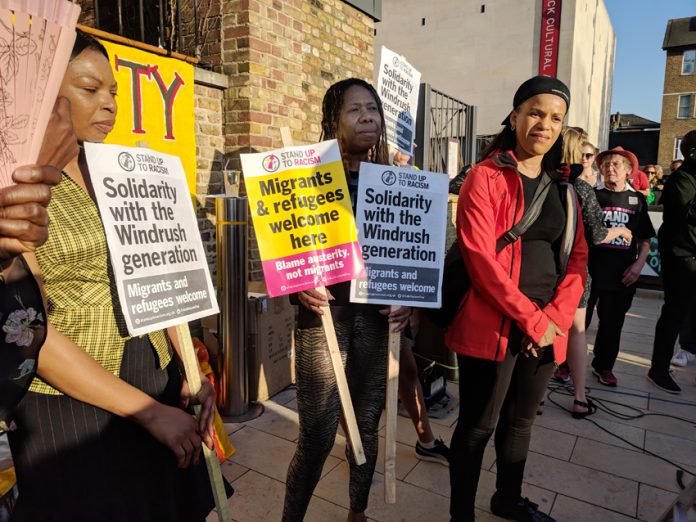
{"x": 529, "y": 217}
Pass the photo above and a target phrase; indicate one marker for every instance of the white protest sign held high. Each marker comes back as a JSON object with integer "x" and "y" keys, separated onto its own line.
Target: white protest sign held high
{"x": 398, "y": 85}
{"x": 156, "y": 251}
{"x": 401, "y": 217}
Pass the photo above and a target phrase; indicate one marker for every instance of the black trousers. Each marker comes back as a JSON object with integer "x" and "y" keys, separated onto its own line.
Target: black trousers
{"x": 612, "y": 306}
{"x": 501, "y": 396}
{"x": 679, "y": 283}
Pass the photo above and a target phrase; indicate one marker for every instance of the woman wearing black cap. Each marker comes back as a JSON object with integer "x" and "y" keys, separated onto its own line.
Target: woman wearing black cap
{"x": 522, "y": 299}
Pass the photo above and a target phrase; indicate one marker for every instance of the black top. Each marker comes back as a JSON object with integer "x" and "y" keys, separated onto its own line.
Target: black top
{"x": 540, "y": 244}
{"x": 341, "y": 305}
{"x": 608, "y": 261}
{"x": 678, "y": 230}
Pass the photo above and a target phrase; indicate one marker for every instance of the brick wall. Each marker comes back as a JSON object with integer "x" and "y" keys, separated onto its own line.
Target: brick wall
{"x": 210, "y": 143}
{"x": 670, "y": 126}
{"x": 280, "y": 57}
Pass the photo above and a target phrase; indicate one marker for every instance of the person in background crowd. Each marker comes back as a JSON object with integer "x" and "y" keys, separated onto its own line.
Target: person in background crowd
{"x": 596, "y": 232}
{"x": 615, "y": 266}
{"x": 511, "y": 324}
{"x": 589, "y": 152}
{"x": 428, "y": 447}
{"x": 651, "y": 172}
{"x": 677, "y": 244}
{"x": 638, "y": 180}
{"x": 351, "y": 113}
{"x": 659, "y": 177}
{"x": 675, "y": 166}
{"x": 102, "y": 433}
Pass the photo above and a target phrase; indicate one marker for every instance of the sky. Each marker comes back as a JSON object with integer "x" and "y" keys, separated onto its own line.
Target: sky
{"x": 639, "y": 70}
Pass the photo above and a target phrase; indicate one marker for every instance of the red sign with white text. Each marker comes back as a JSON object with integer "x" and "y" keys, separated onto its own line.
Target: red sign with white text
{"x": 550, "y": 34}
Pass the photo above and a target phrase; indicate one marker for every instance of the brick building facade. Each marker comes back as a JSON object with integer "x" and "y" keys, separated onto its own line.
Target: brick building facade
{"x": 270, "y": 62}
{"x": 679, "y": 96}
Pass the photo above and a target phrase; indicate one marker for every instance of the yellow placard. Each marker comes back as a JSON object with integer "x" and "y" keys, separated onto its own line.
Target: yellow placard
{"x": 303, "y": 218}
{"x": 155, "y": 104}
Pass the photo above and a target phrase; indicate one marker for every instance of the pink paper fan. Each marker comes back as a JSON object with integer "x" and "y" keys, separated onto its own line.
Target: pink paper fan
{"x": 36, "y": 38}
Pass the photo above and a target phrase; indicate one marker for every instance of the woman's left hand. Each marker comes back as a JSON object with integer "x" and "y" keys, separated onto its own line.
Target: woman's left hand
{"x": 631, "y": 274}
{"x": 398, "y": 317}
{"x": 206, "y": 399}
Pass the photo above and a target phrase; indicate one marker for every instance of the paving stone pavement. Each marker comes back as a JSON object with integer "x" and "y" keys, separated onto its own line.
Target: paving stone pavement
{"x": 577, "y": 471}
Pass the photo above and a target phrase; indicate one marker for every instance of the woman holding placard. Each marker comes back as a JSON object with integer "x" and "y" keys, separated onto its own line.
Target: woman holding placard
{"x": 100, "y": 436}
{"x": 512, "y": 322}
{"x": 352, "y": 114}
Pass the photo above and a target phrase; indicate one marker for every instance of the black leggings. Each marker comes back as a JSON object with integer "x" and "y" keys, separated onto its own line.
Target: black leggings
{"x": 501, "y": 396}
{"x": 362, "y": 338}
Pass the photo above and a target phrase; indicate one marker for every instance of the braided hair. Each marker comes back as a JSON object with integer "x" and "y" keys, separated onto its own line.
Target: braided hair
{"x": 331, "y": 116}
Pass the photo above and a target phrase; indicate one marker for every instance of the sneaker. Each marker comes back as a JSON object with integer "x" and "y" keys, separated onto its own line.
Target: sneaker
{"x": 562, "y": 374}
{"x": 523, "y": 510}
{"x": 440, "y": 453}
{"x": 605, "y": 377}
{"x": 682, "y": 358}
{"x": 664, "y": 382}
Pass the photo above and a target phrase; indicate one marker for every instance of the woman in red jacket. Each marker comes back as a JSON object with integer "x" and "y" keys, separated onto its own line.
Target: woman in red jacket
{"x": 522, "y": 298}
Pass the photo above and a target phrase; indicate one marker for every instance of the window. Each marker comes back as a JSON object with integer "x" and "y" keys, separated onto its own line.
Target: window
{"x": 689, "y": 62}
{"x": 677, "y": 152}
{"x": 684, "y": 107}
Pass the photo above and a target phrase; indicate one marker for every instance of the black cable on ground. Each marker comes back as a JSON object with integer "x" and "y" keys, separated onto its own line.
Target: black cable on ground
{"x": 638, "y": 413}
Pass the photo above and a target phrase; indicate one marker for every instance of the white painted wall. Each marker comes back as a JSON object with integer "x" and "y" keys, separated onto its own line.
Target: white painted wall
{"x": 481, "y": 58}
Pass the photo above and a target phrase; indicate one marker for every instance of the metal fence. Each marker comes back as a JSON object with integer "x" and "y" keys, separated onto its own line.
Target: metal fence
{"x": 173, "y": 25}
{"x": 444, "y": 125}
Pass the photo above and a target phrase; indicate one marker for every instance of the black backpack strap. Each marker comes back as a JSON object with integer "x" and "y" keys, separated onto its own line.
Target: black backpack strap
{"x": 529, "y": 217}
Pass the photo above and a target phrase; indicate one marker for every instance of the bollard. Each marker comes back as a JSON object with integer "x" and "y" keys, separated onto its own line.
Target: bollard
{"x": 232, "y": 258}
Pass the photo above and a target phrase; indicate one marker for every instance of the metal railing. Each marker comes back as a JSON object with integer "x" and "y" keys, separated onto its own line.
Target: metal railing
{"x": 441, "y": 119}
{"x": 174, "y": 25}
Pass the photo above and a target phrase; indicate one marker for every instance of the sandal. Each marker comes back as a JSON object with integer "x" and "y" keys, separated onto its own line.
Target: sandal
{"x": 540, "y": 408}
{"x": 591, "y": 408}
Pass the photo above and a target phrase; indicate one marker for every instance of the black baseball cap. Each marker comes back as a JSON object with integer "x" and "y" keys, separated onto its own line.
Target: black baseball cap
{"x": 539, "y": 85}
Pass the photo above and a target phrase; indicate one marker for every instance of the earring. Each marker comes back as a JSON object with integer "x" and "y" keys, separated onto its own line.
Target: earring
{"x": 512, "y": 127}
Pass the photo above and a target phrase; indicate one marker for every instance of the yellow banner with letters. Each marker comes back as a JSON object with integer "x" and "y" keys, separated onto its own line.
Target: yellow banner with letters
{"x": 155, "y": 104}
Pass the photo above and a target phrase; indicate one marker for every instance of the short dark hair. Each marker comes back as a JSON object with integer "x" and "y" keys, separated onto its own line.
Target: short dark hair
{"x": 84, "y": 41}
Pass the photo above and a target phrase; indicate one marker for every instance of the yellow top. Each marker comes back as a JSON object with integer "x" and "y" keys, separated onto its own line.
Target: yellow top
{"x": 82, "y": 297}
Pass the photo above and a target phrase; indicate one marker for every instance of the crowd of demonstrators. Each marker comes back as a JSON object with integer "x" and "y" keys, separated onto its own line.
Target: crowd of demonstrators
{"x": 677, "y": 245}
{"x": 428, "y": 447}
{"x": 105, "y": 422}
{"x": 351, "y": 113}
{"x": 577, "y": 149}
{"x": 615, "y": 266}
{"x": 522, "y": 299}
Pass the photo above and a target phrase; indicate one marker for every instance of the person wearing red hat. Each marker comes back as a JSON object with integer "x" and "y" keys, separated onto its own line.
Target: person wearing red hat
{"x": 615, "y": 266}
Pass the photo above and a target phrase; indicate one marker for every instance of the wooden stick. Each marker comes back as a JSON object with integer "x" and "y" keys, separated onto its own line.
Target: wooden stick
{"x": 193, "y": 377}
{"x": 342, "y": 384}
{"x": 391, "y": 409}
{"x": 336, "y": 362}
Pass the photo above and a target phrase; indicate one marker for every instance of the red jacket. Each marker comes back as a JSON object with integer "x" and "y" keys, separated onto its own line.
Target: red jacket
{"x": 491, "y": 201}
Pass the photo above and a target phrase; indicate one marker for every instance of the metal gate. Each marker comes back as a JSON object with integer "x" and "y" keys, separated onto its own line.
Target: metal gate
{"x": 443, "y": 124}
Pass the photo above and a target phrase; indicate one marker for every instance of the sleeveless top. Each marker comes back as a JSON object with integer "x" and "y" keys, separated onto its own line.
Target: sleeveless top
{"x": 80, "y": 288}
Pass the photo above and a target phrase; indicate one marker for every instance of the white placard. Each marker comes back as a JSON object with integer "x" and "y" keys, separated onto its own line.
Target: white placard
{"x": 398, "y": 85}
{"x": 155, "y": 247}
{"x": 401, "y": 216}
